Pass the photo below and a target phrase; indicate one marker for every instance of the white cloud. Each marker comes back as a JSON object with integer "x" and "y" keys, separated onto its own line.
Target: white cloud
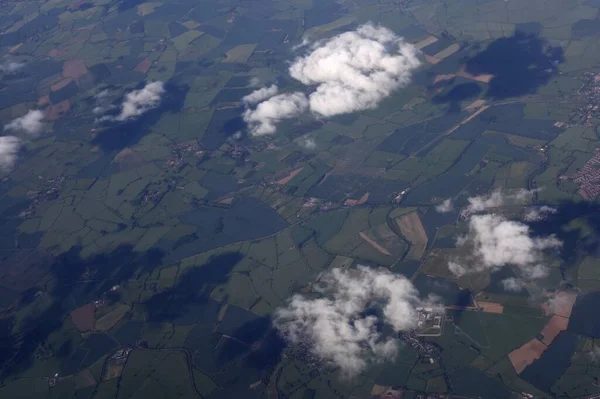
{"x": 9, "y": 148}
{"x": 493, "y": 242}
{"x": 355, "y": 70}
{"x": 267, "y": 114}
{"x": 136, "y": 103}
{"x": 10, "y": 67}
{"x": 308, "y": 143}
{"x": 496, "y": 199}
{"x": 595, "y": 354}
{"x": 30, "y": 123}
{"x": 254, "y": 82}
{"x": 350, "y": 72}
{"x": 260, "y": 94}
{"x": 535, "y": 214}
{"x": 335, "y": 327}
{"x": 513, "y": 284}
{"x": 101, "y": 94}
{"x": 457, "y": 269}
{"x": 446, "y": 206}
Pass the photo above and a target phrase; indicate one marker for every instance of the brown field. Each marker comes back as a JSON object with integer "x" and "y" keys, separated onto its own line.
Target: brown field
{"x": 226, "y": 201}
{"x": 128, "y": 159}
{"x": 448, "y": 51}
{"x": 426, "y": 42}
{"x": 107, "y": 321}
{"x": 443, "y": 78}
{"x": 491, "y": 307}
{"x": 85, "y": 379}
{"x": 289, "y": 177}
{"x": 374, "y": 244}
{"x": 431, "y": 60}
{"x": 88, "y": 27}
{"x": 143, "y": 66}
{"x": 44, "y": 100}
{"x": 147, "y": 8}
{"x": 56, "y": 52}
{"x": 526, "y": 354}
{"x": 474, "y": 105}
{"x": 363, "y": 199}
{"x": 113, "y": 370}
{"x": 58, "y": 110}
{"x": 411, "y": 227}
{"x": 386, "y": 392}
{"x": 84, "y": 317}
{"x": 60, "y": 84}
{"x": 560, "y": 304}
{"x": 484, "y": 77}
{"x": 222, "y": 311}
{"x": 555, "y": 325}
{"x": 467, "y": 119}
{"x": 74, "y": 69}
{"x": 474, "y": 114}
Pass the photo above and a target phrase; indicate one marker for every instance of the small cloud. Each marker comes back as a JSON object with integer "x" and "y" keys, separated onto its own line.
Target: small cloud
{"x": 254, "y": 82}
{"x": 136, "y": 103}
{"x": 535, "y": 214}
{"x": 457, "y": 269}
{"x": 260, "y": 95}
{"x": 496, "y": 199}
{"x": 338, "y": 328}
{"x": 237, "y": 135}
{"x": 10, "y": 67}
{"x": 307, "y": 143}
{"x": 9, "y": 148}
{"x": 513, "y": 284}
{"x": 595, "y": 354}
{"x": 446, "y": 206}
{"x": 30, "y": 123}
{"x": 494, "y": 241}
{"x": 101, "y": 95}
{"x": 262, "y": 120}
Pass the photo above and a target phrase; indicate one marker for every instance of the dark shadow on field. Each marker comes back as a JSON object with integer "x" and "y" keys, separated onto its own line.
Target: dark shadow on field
{"x": 578, "y": 240}
{"x": 546, "y": 370}
{"x": 520, "y": 64}
{"x": 75, "y": 281}
{"x": 458, "y": 94}
{"x": 192, "y": 288}
{"x": 128, "y": 4}
{"x": 119, "y": 135}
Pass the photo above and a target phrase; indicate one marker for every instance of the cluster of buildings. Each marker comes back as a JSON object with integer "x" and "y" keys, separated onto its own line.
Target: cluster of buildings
{"x": 429, "y": 322}
{"x": 426, "y": 350}
{"x": 49, "y": 194}
{"x": 183, "y": 150}
{"x": 121, "y": 356}
{"x": 590, "y": 91}
{"x": 588, "y": 178}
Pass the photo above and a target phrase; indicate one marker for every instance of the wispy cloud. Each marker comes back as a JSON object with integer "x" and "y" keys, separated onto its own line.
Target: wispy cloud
{"x": 307, "y": 143}
{"x": 9, "y": 148}
{"x": 135, "y": 103}
{"x": 31, "y": 123}
{"x": 263, "y": 119}
{"x": 260, "y": 94}
{"x": 496, "y": 199}
{"x": 338, "y": 328}
{"x": 10, "y": 67}
{"x": 446, "y": 206}
{"x": 494, "y": 241}
{"x": 537, "y": 213}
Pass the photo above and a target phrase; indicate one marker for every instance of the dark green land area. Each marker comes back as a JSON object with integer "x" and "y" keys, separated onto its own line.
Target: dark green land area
{"x": 145, "y": 259}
